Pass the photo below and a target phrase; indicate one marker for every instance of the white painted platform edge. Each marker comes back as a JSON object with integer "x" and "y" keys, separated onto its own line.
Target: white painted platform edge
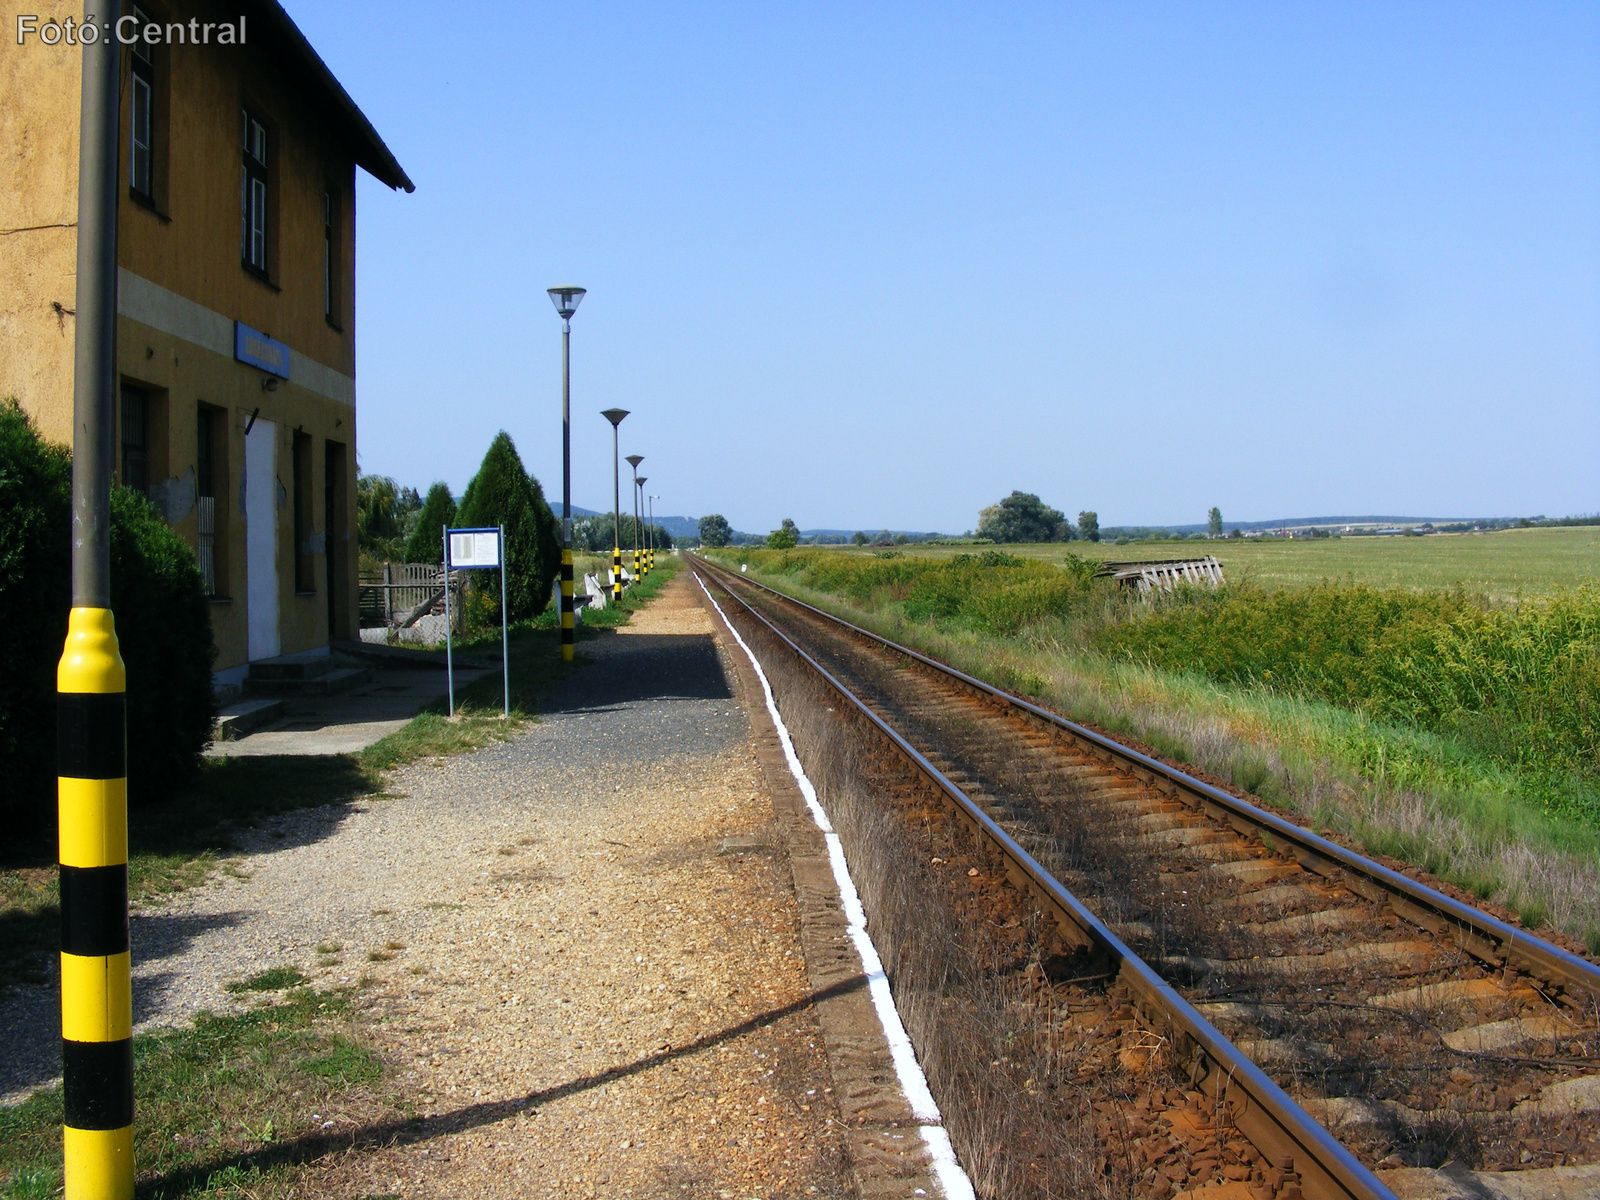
{"x": 952, "y": 1179}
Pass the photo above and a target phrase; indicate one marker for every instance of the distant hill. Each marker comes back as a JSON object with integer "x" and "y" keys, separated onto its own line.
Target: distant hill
{"x": 1301, "y": 523}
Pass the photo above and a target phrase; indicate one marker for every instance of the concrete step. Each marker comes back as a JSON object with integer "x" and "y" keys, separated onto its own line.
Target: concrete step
{"x": 327, "y": 683}
{"x": 290, "y": 666}
{"x": 242, "y": 717}
{"x": 348, "y": 653}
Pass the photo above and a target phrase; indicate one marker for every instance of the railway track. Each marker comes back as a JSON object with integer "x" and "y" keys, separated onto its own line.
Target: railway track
{"x": 1340, "y": 1025}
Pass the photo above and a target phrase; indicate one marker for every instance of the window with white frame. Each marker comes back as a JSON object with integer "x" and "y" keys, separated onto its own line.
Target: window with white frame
{"x": 141, "y": 118}
{"x": 253, "y": 195}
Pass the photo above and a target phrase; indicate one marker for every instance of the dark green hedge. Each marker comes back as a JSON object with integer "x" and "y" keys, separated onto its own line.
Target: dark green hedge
{"x": 163, "y": 625}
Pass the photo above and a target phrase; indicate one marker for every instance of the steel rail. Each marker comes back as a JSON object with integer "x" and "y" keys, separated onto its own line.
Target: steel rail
{"x": 1261, "y": 1110}
{"x": 1478, "y": 933}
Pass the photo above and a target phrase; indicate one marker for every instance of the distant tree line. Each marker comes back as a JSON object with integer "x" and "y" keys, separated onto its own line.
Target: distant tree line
{"x": 600, "y": 533}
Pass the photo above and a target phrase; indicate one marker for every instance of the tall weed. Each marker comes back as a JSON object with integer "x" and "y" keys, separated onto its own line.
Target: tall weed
{"x": 992, "y": 592}
{"x": 1520, "y": 683}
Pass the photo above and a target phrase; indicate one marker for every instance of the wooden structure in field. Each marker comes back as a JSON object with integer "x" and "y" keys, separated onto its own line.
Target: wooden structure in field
{"x": 1165, "y": 574}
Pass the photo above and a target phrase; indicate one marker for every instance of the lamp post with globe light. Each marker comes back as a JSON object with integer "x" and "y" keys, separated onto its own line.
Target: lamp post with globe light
{"x": 566, "y": 299}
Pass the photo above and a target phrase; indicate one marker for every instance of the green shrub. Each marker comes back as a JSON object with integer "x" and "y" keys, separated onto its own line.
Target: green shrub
{"x": 503, "y": 493}
{"x": 993, "y": 591}
{"x": 1522, "y": 683}
{"x": 35, "y": 593}
{"x": 163, "y": 625}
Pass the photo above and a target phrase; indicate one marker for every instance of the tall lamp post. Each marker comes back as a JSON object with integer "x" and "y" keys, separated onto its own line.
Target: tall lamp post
{"x": 566, "y": 300}
{"x": 633, "y": 461}
{"x": 615, "y": 415}
{"x": 91, "y": 707}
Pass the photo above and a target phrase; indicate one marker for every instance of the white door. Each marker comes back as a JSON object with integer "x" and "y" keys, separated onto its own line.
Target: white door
{"x": 261, "y": 538}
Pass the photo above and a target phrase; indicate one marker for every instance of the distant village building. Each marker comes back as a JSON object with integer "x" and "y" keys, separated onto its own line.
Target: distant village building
{"x": 235, "y": 297}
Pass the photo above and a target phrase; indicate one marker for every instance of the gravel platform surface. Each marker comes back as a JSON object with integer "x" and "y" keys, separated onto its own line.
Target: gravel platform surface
{"x": 564, "y": 974}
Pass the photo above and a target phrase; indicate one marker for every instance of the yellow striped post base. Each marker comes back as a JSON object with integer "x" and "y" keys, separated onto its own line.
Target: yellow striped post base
{"x": 96, "y": 995}
{"x": 636, "y": 575}
{"x": 567, "y": 631}
{"x": 616, "y": 575}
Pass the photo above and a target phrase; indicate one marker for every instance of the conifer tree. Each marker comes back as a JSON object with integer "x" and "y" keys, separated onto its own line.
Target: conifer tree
{"x": 426, "y": 544}
{"x": 503, "y": 493}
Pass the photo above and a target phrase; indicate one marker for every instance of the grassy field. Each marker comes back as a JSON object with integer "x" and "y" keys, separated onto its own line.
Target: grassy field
{"x": 1367, "y": 710}
{"x": 1500, "y": 565}
{"x": 229, "y": 1107}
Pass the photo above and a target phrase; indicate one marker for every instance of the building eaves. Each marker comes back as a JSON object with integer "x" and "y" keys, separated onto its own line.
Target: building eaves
{"x": 273, "y": 30}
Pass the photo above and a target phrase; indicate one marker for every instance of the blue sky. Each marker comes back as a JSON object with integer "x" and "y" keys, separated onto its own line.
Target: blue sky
{"x": 877, "y": 265}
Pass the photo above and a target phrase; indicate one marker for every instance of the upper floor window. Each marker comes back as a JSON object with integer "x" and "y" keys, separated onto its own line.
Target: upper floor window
{"x": 329, "y": 259}
{"x": 253, "y": 195}
{"x": 142, "y": 118}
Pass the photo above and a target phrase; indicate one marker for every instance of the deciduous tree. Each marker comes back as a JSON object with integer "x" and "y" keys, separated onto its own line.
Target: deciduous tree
{"x": 1089, "y": 526}
{"x": 1020, "y": 517}
{"x": 715, "y": 531}
{"x": 785, "y": 537}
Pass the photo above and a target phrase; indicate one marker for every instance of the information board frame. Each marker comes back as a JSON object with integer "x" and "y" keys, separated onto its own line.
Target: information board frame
{"x": 474, "y": 563}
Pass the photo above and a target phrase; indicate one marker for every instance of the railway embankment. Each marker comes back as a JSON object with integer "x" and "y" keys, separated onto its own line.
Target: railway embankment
{"x": 1124, "y": 979}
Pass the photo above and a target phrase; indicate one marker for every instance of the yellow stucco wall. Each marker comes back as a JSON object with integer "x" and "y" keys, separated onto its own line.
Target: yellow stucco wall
{"x": 38, "y": 226}
{"x": 189, "y": 245}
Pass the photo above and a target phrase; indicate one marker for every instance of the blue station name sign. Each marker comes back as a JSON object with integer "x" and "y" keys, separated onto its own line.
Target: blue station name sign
{"x": 256, "y": 348}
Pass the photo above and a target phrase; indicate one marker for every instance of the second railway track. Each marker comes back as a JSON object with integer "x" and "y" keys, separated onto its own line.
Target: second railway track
{"x": 1342, "y": 1024}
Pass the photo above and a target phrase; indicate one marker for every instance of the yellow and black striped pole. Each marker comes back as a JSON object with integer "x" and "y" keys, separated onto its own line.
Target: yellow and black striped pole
{"x": 566, "y": 604}
{"x": 96, "y": 995}
{"x": 616, "y": 574}
{"x": 91, "y": 737}
{"x": 636, "y": 563}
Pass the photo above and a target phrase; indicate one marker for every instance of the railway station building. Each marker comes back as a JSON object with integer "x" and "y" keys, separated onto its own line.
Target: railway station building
{"x": 235, "y": 295}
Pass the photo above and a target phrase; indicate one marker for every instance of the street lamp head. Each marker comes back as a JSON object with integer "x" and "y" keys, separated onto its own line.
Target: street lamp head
{"x": 614, "y": 415}
{"x": 639, "y": 480}
{"x": 633, "y": 460}
{"x": 566, "y": 300}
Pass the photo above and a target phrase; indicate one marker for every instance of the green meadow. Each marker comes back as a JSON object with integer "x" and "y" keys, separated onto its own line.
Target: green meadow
{"x": 1501, "y": 566}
